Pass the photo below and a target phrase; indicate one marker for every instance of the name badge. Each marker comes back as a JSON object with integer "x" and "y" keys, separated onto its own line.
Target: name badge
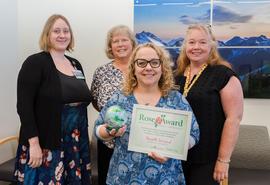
{"x": 78, "y": 74}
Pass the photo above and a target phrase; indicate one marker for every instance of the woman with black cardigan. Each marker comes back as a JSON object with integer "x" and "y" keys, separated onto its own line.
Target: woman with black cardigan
{"x": 52, "y": 99}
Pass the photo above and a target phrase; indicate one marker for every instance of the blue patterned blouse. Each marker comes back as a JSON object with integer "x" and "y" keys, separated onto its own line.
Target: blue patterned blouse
{"x": 128, "y": 167}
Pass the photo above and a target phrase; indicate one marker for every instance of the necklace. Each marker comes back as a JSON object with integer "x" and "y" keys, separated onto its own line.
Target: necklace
{"x": 147, "y": 99}
{"x": 188, "y": 86}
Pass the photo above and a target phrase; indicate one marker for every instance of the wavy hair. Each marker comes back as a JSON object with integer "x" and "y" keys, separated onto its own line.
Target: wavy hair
{"x": 214, "y": 57}
{"x": 166, "y": 81}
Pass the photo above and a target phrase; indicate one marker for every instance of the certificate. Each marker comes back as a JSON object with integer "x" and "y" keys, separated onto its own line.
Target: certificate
{"x": 161, "y": 130}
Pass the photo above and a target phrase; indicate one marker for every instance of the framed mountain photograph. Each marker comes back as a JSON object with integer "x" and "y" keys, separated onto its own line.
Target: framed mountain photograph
{"x": 241, "y": 28}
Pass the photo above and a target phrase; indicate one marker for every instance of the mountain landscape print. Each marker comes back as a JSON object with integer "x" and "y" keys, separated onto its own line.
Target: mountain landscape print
{"x": 248, "y": 50}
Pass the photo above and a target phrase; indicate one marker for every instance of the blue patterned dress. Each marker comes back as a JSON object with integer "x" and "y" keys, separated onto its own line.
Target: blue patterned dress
{"x": 133, "y": 168}
{"x": 68, "y": 166}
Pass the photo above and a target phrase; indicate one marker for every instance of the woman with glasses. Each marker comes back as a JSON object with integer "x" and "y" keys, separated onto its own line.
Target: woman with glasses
{"x": 106, "y": 80}
{"x": 52, "y": 100}
{"x": 149, "y": 81}
{"x": 215, "y": 95}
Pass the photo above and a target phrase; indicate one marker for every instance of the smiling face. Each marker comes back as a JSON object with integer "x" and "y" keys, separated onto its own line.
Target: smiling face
{"x": 59, "y": 36}
{"x": 198, "y": 46}
{"x": 147, "y": 76}
{"x": 121, "y": 46}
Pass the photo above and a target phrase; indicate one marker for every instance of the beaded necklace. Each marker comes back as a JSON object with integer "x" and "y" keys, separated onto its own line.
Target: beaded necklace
{"x": 188, "y": 86}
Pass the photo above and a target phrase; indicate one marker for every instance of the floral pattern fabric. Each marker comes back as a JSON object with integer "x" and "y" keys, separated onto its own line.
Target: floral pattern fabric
{"x": 106, "y": 80}
{"x": 134, "y": 168}
{"x": 68, "y": 166}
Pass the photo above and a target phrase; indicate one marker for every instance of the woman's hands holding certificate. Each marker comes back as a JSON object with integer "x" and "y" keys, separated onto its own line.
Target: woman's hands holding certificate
{"x": 158, "y": 157}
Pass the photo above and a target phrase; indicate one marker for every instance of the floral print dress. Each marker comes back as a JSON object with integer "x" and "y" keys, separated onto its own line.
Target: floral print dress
{"x": 68, "y": 166}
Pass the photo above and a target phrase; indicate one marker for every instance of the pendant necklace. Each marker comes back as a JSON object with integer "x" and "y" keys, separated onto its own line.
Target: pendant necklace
{"x": 188, "y": 86}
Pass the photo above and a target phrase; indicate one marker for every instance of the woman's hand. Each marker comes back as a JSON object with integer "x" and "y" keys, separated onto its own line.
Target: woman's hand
{"x": 157, "y": 157}
{"x": 35, "y": 153}
{"x": 221, "y": 171}
{"x": 118, "y": 133}
{"x": 106, "y": 135}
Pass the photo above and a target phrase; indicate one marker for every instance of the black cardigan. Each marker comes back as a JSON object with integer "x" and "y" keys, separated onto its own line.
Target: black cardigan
{"x": 39, "y": 100}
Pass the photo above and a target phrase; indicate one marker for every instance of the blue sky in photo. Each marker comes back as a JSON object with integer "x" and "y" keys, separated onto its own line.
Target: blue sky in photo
{"x": 168, "y": 1}
{"x": 169, "y": 18}
{"x": 241, "y": 18}
{"x": 170, "y": 21}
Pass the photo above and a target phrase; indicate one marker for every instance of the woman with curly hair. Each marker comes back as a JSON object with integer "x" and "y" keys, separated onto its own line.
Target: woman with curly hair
{"x": 149, "y": 81}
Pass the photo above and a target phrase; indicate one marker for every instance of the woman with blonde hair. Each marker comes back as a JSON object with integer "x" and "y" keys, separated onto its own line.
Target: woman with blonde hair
{"x": 149, "y": 81}
{"x": 52, "y": 99}
{"x": 214, "y": 92}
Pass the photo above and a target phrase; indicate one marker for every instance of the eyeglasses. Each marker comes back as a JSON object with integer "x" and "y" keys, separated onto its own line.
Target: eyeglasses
{"x": 154, "y": 63}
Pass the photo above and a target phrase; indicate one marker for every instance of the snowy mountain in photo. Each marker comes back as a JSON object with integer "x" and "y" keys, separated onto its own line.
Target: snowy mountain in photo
{"x": 261, "y": 40}
{"x": 144, "y": 37}
{"x": 248, "y": 41}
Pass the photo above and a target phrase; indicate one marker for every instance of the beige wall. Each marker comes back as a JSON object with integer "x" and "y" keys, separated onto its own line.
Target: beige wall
{"x": 257, "y": 112}
{"x": 21, "y": 24}
{"x": 9, "y": 66}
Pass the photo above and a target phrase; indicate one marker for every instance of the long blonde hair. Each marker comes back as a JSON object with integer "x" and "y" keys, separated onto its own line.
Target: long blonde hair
{"x": 166, "y": 82}
{"x": 214, "y": 57}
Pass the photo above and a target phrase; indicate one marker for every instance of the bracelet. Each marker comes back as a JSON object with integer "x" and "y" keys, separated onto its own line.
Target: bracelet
{"x": 223, "y": 161}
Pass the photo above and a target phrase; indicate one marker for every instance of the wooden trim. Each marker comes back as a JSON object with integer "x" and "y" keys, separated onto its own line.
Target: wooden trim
{"x": 7, "y": 139}
{"x": 224, "y": 182}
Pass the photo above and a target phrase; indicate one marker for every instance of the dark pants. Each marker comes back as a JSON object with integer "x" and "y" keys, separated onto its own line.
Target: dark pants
{"x": 199, "y": 174}
{"x": 104, "y": 157}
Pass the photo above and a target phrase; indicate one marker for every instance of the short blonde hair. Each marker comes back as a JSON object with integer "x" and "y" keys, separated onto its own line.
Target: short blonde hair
{"x": 214, "y": 57}
{"x": 121, "y": 30}
{"x": 166, "y": 82}
{"x": 44, "y": 41}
